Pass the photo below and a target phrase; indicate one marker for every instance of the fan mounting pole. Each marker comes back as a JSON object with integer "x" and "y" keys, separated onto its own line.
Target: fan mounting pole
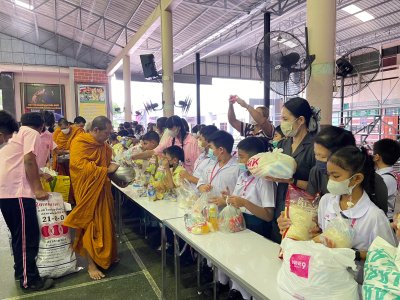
{"x": 267, "y": 58}
{"x": 342, "y": 101}
{"x": 198, "y": 87}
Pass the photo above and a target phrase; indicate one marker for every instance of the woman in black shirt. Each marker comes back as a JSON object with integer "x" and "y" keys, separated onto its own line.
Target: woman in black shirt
{"x": 299, "y": 124}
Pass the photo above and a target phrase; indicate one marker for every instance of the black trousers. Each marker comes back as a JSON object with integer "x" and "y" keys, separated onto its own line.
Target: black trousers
{"x": 21, "y": 219}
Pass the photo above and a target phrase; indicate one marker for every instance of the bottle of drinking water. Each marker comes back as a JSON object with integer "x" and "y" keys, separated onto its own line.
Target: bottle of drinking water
{"x": 151, "y": 193}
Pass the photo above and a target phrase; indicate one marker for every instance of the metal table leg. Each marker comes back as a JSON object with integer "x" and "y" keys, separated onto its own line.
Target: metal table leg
{"x": 120, "y": 229}
{"x": 163, "y": 259}
{"x": 215, "y": 280}
{"x": 177, "y": 267}
{"x": 199, "y": 259}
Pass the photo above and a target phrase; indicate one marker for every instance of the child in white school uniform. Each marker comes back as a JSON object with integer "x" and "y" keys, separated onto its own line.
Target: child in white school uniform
{"x": 386, "y": 154}
{"x": 351, "y": 181}
{"x": 203, "y": 160}
{"x": 221, "y": 174}
{"x": 255, "y": 197}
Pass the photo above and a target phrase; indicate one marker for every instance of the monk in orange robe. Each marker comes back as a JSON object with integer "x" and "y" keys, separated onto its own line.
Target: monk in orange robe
{"x": 63, "y": 137}
{"x": 93, "y": 216}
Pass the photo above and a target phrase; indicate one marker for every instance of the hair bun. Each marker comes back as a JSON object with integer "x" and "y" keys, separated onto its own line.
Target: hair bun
{"x": 313, "y": 126}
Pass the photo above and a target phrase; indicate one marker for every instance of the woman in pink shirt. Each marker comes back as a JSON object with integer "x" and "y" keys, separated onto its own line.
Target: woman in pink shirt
{"x": 177, "y": 135}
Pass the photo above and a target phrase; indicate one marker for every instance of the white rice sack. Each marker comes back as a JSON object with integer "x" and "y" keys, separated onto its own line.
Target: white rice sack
{"x": 313, "y": 271}
{"x": 56, "y": 257}
{"x": 272, "y": 164}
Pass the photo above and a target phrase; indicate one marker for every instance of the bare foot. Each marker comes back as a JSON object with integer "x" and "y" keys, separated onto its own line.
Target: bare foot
{"x": 95, "y": 273}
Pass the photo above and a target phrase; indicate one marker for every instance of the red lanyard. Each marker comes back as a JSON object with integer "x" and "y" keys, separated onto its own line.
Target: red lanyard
{"x": 212, "y": 173}
{"x": 247, "y": 185}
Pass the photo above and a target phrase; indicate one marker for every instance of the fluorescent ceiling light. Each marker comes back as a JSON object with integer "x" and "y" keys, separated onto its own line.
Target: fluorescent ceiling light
{"x": 365, "y": 16}
{"x": 23, "y": 4}
{"x": 352, "y": 9}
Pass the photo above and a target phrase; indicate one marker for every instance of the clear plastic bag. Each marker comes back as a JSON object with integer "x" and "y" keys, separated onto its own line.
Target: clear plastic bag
{"x": 231, "y": 219}
{"x": 186, "y": 195}
{"x": 301, "y": 208}
{"x": 196, "y": 219}
{"x": 340, "y": 231}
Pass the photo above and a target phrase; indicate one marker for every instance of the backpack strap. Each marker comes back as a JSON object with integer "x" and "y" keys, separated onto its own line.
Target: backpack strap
{"x": 396, "y": 177}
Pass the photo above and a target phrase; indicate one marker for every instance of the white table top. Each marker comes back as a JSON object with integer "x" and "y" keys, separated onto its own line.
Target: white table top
{"x": 245, "y": 257}
{"x": 161, "y": 209}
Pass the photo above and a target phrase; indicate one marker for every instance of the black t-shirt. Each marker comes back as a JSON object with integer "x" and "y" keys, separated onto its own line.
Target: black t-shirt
{"x": 305, "y": 159}
{"x": 247, "y": 129}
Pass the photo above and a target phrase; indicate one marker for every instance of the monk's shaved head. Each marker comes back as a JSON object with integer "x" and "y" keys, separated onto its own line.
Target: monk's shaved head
{"x": 100, "y": 123}
{"x": 101, "y": 129}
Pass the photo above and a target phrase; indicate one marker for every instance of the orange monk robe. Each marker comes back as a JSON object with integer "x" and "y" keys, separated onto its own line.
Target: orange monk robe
{"x": 93, "y": 216}
{"x": 63, "y": 142}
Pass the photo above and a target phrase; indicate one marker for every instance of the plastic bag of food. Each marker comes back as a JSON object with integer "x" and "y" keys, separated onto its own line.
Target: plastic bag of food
{"x": 231, "y": 219}
{"x": 301, "y": 208}
{"x": 197, "y": 219}
{"x": 340, "y": 231}
{"x": 272, "y": 164}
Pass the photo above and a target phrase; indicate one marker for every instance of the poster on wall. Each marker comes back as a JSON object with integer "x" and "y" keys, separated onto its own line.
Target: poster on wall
{"x": 92, "y": 100}
{"x": 37, "y": 97}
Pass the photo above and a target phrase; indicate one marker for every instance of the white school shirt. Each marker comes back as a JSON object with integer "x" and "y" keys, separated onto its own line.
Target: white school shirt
{"x": 391, "y": 184}
{"x": 256, "y": 190}
{"x": 370, "y": 221}
{"x": 201, "y": 164}
{"x": 221, "y": 178}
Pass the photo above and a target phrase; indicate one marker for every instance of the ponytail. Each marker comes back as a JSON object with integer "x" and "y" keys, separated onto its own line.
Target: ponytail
{"x": 357, "y": 160}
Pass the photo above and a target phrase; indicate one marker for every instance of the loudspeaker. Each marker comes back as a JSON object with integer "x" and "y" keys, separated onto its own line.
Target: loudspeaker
{"x": 8, "y": 91}
{"x": 149, "y": 66}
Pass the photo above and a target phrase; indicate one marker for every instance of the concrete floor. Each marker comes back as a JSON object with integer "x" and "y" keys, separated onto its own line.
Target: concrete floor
{"x": 137, "y": 276}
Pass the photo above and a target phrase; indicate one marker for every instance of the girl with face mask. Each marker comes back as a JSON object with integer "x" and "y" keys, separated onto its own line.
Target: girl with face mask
{"x": 299, "y": 124}
{"x": 351, "y": 182}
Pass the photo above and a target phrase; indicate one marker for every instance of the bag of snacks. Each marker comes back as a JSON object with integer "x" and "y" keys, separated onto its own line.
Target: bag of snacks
{"x": 231, "y": 219}
{"x": 196, "y": 220}
{"x": 340, "y": 231}
{"x": 301, "y": 208}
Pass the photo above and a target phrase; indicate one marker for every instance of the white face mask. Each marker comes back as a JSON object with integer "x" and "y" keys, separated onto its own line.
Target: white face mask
{"x": 173, "y": 133}
{"x": 66, "y": 130}
{"x": 287, "y": 128}
{"x": 340, "y": 187}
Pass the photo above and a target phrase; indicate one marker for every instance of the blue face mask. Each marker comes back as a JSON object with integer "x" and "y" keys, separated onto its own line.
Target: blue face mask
{"x": 211, "y": 154}
{"x": 242, "y": 167}
{"x": 321, "y": 165}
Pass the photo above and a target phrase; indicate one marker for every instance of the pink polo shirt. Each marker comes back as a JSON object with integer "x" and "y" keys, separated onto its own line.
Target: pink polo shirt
{"x": 46, "y": 146}
{"x": 190, "y": 148}
{"x": 13, "y": 181}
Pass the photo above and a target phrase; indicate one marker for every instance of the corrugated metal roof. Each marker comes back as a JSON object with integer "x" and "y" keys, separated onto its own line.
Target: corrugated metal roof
{"x": 104, "y": 26}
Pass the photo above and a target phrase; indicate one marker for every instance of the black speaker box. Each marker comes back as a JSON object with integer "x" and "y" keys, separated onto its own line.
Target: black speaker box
{"x": 148, "y": 65}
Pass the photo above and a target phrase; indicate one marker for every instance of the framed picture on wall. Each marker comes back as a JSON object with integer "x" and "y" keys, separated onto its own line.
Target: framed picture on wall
{"x": 92, "y": 100}
{"x": 37, "y": 97}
